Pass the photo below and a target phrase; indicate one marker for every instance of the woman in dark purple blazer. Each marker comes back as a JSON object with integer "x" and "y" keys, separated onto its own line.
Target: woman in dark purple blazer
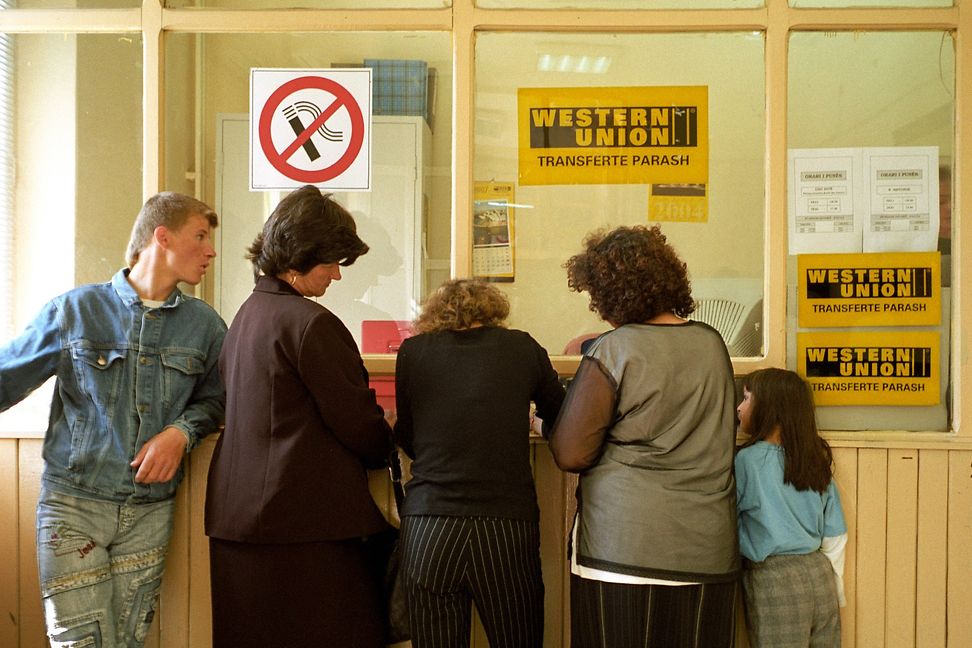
{"x": 288, "y": 506}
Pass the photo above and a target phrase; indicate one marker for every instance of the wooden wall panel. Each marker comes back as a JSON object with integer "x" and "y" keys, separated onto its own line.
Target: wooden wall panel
{"x": 553, "y": 548}
{"x": 872, "y": 510}
{"x": 30, "y": 466}
{"x": 478, "y": 638}
{"x": 932, "y": 548}
{"x": 570, "y": 509}
{"x": 959, "y": 554}
{"x": 9, "y": 546}
{"x": 153, "y": 640}
{"x": 845, "y": 474}
{"x": 173, "y": 613}
{"x": 379, "y": 484}
{"x": 200, "y": 620}
{"x": 909, "y": 517}
{"x": 902, "y": 549}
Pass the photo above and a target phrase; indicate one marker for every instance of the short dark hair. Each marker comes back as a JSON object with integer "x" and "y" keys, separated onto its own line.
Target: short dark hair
{"x": 168, "y": 209}
{"x": 459, "y": 303}
{"x": 632, "y": 274}
{"x": 782, "y": 399}
{"x": 306, "y": 228}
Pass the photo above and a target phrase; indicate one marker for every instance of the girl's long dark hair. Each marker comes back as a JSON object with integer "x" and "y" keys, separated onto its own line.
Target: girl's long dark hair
{"x": 780, "y": 398}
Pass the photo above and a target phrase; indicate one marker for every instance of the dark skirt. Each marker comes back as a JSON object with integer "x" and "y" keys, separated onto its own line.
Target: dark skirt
{"x": 304, "y": 595}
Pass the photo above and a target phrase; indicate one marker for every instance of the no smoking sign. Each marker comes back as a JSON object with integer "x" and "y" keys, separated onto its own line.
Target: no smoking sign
{"x": 310, "y": 127}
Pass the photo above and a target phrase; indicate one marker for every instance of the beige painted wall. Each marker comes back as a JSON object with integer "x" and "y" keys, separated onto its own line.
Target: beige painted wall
{"x": 44, "y": 263}
{"x": 108, "y": 152}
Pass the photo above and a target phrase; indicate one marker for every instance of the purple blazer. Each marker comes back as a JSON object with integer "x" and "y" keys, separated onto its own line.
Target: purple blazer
{"x": 302, "y": 426}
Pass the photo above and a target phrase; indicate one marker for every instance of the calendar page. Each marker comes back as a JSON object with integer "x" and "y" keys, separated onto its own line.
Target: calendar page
{"x": 493, "y": 251}
{"x": 491, "y": 260}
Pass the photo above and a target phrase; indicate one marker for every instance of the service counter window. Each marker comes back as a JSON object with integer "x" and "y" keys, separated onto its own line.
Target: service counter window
{"x": 405, "y": 214}
{"x": 71, "y": 180}
{"x": 620, "y": 4}
{"x": 309, "y": 4}
{"x": 70, "y": 4}
{"x": 846, "y": 4}
{"x": 613, "y": 117}
{"x": 871, "y": 137}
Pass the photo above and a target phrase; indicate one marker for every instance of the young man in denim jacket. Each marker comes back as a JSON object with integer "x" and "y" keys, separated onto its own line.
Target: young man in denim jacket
{"x": 137, "y": 387}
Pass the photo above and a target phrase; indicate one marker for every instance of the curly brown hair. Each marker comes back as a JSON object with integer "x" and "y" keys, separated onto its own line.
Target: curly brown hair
{"x": 632, "y": 274}
{"x": 461, "y": 303}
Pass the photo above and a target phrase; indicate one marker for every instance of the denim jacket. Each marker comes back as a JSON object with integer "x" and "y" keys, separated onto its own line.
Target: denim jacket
{"x": 125, "y": 372}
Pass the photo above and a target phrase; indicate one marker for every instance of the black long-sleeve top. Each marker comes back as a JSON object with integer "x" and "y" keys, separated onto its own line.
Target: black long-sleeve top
{"x": 463, "y": 400}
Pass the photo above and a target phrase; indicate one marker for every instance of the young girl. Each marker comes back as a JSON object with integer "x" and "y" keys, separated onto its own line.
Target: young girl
{"x": 791, "y": 526}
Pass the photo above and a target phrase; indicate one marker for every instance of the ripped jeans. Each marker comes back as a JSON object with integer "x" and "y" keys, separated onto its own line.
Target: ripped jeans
{"x": 100, "y": 567}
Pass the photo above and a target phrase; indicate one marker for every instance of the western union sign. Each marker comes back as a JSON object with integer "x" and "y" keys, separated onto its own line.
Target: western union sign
{"x": 598, "y": 127}
{"x": 613, "y": 135}
{"x": 866, "y": 368}
{"x": 887, "y": 289}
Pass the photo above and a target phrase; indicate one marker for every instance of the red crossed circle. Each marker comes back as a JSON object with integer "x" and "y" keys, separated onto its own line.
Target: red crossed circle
{"x": 343, "y": 99}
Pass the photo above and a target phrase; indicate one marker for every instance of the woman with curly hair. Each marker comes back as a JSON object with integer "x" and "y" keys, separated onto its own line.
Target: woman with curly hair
{"x": 470, "y": 524}
{"x": 649, "y": 424}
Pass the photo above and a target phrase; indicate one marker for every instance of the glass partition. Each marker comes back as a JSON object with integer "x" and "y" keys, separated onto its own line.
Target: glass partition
{"x": 405, "y": 217}
{"x": 847, "y": 4}
{"x": 715, "y": 224}
{"x": 891, "y": 91}
{"x": 69, "y": 4}
{"x": 71, "y": 131}
{"x": 310, "y": 4}
{"x": 619, "y": 4}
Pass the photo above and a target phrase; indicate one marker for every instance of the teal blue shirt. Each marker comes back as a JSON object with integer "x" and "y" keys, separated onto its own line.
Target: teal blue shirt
{"x": 775, "y": 518}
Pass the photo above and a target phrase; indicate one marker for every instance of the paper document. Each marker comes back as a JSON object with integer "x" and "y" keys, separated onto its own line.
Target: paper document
{"x": 823, "y": 189}
{"x": 902, "y": 213}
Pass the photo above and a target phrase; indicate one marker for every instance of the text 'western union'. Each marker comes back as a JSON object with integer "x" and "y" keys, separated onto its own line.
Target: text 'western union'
{"x": 875, "y": 283}
{"x": 868, "y": 362}
{"x": 625, "y": 126}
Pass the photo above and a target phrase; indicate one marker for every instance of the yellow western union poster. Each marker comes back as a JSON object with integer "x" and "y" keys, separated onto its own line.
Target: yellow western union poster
{"x": 867, "y": 368}
{"x": 640, "y": 135}
{"x": 884, "y": 289}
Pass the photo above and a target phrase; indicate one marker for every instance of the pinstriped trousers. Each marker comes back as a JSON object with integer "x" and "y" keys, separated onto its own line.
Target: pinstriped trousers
{"x": 620, "y": 615}
{"x": 451, "y": 562}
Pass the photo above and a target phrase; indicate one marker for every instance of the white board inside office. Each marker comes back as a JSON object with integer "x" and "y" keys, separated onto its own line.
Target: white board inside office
{"x": 385, "y": 283}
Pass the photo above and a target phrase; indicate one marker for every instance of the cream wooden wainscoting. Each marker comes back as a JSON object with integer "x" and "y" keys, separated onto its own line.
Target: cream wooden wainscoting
{"x": 909, "y": 561}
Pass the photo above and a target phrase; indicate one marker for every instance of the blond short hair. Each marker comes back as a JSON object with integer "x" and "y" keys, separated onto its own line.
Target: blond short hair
{"x": 461, "y": 303}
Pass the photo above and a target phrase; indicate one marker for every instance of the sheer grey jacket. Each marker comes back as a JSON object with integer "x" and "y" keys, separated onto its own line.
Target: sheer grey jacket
{"x": 649, "y": 423}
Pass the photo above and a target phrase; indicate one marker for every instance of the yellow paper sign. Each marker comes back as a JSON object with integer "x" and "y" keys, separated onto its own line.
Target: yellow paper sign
{"x": 639, "y": 135}
{"x": 868, "y": 368}
{"x": 886, "y": 289}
